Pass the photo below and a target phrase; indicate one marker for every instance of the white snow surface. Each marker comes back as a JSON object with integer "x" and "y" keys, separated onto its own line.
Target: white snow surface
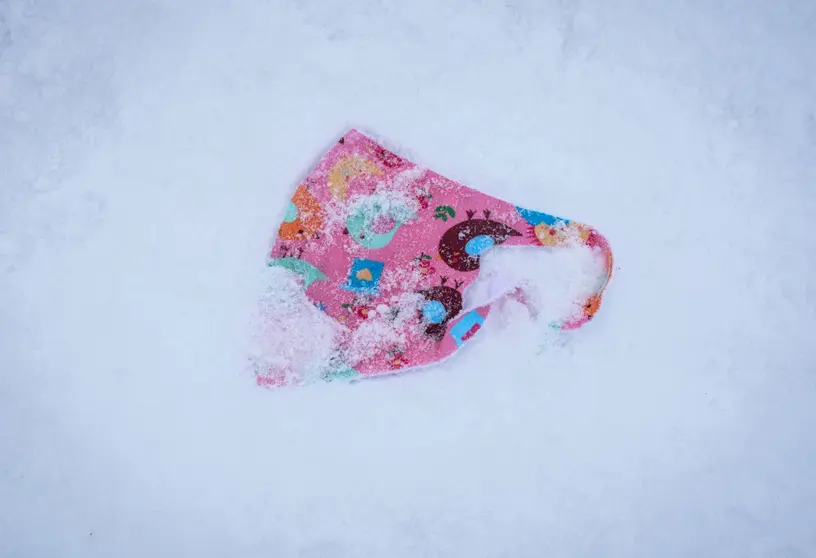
{"x": 148, "y": 151}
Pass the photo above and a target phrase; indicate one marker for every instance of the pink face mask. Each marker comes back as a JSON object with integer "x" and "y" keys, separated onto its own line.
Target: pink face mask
{"x": 382, "y": 245}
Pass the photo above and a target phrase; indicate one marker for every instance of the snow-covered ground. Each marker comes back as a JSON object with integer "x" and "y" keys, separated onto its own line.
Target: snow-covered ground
{"x": 147, "y": 153}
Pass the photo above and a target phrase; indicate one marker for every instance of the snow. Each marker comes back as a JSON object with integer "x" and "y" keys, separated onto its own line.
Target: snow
{"x": 147, "y": 155}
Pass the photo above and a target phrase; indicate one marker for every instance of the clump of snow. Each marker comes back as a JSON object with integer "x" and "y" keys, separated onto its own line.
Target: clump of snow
{"x": 554, "y": 282}
{"x": 289, "y": 335}
{"x": 404, "y": 278}
{"x": 294, "y": 342}
{"x": 377, "y": 332}
{"x": 395, "y": 199}
{"x": 384, "y": 201}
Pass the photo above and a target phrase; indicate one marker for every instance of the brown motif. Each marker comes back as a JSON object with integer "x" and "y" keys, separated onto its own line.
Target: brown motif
{"x": 453, "y": 242}
{"x": 451, "y": 299}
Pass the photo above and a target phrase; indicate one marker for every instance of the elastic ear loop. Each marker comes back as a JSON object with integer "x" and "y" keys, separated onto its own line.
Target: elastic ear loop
{"x": 589, "y": 308}
{"x": 593, "y": 303}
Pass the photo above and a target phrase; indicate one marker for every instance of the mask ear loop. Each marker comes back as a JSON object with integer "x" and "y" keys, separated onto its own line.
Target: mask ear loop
{"x": 553, "y": 233}
{"x": 594, "y": 240}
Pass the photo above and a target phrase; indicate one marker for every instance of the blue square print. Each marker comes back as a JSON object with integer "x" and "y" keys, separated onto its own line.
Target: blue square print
{"x": 364, "y": 276}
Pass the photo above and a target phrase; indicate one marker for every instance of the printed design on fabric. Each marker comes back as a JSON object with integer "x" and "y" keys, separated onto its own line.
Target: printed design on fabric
{"x": 364, "y": 276}
{"x": 296, "y": 264}
{"x": 389, "y": 159}
{"x": 373, "y": 221}
{"x": 442, "y": 304}
{"x": 553, "y": 231}
{"x": 560, "y": 235}
{"x": 361, "y": 306}
{"x": 345, "y": 170}
{"x": 462, "y": 245}
{"x": 396, "y": 359}
{"x": 550, "y": 230}
{"x": 425, "y": 264}
{"x": 337, "y": 368}
{"x": 466, "y": 327}
{"x": 444, "y": 212}
{"x": 424, "y": 199}
{"x": 596, "y": 241}
{"x": 304, "y": 217}
{"x": 344, "y": 372}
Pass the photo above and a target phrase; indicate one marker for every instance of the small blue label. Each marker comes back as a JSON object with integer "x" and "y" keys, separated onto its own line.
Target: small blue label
{"x": 466, "y": 327}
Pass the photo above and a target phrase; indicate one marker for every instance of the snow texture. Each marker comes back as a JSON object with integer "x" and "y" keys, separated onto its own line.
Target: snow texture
{"x": 148, "y": 151}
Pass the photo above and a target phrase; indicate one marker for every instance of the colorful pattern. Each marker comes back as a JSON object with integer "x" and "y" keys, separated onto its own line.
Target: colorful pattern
{"x": 382, "y": 244}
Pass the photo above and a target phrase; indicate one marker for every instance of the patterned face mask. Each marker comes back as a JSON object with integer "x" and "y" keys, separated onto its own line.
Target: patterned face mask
{"x": 385, "y": 249}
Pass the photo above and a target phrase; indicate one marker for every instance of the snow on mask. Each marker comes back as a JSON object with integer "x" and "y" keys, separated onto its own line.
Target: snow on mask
{"x": 384, "y": 251}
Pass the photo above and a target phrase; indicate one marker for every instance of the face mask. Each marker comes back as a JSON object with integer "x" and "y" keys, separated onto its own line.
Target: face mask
{"x": 386, "y": 249}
